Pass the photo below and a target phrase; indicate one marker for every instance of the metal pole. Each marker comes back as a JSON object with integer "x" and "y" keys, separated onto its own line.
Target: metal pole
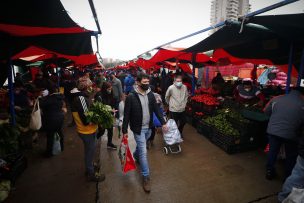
{"x": 301, "y": 70}
{"x": 11, "y": 93}
{"x": 193, "y": 73}
{"x": 95, "y": 15}
{"x": 290, "y": 60}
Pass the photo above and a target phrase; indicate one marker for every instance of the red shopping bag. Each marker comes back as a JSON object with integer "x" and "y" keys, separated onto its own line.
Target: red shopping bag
{"x": 125, "y": 156}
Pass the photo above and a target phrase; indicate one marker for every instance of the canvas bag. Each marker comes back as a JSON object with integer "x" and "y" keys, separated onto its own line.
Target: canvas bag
{"x": 35, "y": 121}
{"x": 56, "y": 145}
{"x": 125, "y": 156}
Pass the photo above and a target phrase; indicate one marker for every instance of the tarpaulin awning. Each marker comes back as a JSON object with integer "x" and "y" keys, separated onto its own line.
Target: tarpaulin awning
{"x": 43, "y": 54}
{"x": 263, "y": 37}
{"x": 43, "y": 24}
{"x": 36, "y": 17}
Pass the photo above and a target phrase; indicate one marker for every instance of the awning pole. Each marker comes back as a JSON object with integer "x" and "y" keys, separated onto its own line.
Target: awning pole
{"x": 11, "y": 93}
{"x": 289, "y": 68}
{"x": 301, "y": 70}
{"x": 193, "y": 73}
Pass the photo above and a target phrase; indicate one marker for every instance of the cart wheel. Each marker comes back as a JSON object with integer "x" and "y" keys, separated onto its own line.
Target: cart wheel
{"x": 179, "y": 148}
{"x": 166, "y": 150}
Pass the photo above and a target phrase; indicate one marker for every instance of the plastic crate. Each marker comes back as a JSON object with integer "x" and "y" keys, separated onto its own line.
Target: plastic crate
{"x": 233, "y": 145}
{"x": 205, "y": 129}
{"x": 209, "y": 109}
{"x": 189, "y": 119}
{"x": 197, "y": 106}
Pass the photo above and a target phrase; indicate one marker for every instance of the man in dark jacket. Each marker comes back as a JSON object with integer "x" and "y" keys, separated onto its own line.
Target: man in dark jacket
{"x": 286, "y": 119}
{"x": 139, "y": 108}
{"x": 296, "y": 179}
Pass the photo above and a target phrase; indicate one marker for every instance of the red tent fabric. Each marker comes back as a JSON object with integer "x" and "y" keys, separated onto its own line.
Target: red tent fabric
{"x": 221, "y": 54}
{"x": 85, "y": 59}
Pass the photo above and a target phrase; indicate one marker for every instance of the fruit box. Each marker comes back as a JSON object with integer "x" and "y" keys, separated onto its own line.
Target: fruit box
{"x": 205, "y": 129}
{"x": 232, "y": 144}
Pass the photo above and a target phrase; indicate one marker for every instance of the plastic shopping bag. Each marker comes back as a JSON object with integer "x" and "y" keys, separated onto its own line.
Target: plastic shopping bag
{"x": 296, "y": 196}
{"x": 56, "y": 146}
{"x": 35, "y": 121}
{"x": 125, "y": 156}
{"x": 172, "y": 136}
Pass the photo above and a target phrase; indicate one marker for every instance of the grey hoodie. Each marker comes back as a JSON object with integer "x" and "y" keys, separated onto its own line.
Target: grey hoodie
{"x": 145, "y": 106}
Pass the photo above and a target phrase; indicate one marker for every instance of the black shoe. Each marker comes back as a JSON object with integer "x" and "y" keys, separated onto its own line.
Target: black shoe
{"x": 112, "y": 146}
{"x": 270, "y": 175}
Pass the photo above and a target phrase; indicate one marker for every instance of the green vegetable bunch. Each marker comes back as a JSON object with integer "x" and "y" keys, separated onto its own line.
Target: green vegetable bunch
{"x": 9, "y": 139}
{"x": 100, "y": 114}
{"x": 221, "y": 123}
{"x": 231, "y": 113}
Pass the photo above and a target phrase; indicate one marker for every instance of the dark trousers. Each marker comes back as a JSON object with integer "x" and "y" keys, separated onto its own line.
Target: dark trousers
{"x": 50, "y": 141}
{"x": 180, "y": 119}
{"x": 153, "y": 129}
{"x": 101, "y": 131}
{"x": 291, "y": 151}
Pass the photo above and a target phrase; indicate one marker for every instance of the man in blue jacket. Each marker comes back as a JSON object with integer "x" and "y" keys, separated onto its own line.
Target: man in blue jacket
{"x": 129, "y": 83}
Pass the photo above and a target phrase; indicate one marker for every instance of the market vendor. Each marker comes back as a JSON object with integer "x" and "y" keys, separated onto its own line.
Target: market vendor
{"x": 248, "y": 93}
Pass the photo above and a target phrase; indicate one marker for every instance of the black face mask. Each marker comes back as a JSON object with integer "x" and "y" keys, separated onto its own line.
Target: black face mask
{"x": 144, "y": 86}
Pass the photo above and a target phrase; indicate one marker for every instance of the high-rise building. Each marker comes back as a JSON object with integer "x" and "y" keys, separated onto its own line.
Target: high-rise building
{"x": 228, "y": 10}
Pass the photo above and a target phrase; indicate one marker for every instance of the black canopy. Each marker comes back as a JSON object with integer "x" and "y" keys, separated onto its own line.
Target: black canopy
{"x": 262, "y": 37}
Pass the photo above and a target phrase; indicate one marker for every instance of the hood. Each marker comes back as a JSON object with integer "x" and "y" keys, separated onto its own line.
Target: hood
{"x": 138, "y": 92}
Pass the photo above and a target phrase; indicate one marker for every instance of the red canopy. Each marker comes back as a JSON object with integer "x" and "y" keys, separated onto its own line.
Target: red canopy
{"x": 43, "y": 54}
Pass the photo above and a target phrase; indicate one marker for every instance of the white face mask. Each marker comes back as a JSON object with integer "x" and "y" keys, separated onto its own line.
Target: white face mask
{"x": 178, "y": 84}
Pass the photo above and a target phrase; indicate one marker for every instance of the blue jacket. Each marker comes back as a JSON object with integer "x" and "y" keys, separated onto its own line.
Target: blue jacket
{"x": 129, "y": 82}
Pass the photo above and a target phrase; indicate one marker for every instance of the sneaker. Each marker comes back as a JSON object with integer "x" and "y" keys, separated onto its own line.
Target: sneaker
{"x": 270, "y": 174}
{"x": 112, "y": 146}
{"x": 96, "y": 177}
{"x": 147, "y": 185}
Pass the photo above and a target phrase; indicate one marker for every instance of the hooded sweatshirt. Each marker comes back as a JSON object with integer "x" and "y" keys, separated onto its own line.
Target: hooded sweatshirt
{"x": 143, "y": 97}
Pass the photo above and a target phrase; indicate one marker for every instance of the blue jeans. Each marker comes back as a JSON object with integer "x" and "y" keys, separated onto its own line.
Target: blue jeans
{"x": 291, "y": 151}
{"x": 141, "y": 150}
{"x": 89, "y": 142}
{"x": 296, "y": 179}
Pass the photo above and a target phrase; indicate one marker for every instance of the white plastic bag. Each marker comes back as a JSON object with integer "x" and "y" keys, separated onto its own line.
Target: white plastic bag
{"x": 172, "y": 136}
{"x": 56, "y": 146}
{"x": 296, "y": 196}
{"x": 35, "y": 122}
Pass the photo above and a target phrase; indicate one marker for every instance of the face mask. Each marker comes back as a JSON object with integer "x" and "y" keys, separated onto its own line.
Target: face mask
{"x": 178, "y": 84}
{"x": 247, "y": 90}
{"x": 144, "y": 86}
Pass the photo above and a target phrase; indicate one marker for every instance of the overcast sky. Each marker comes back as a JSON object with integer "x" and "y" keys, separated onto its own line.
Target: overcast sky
{"x": 131, "y": 27}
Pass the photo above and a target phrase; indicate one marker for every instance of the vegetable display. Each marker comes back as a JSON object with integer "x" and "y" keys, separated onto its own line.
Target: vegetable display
{"x": 206, "y": 99}
{"x": 221, "y": 123}
{"x": 100, "y": 114}
{"x": 9, "y": 139}
{"x": 231, "y": 113}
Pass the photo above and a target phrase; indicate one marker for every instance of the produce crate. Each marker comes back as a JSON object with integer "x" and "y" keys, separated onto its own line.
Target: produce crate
{"x": 233, "y": 145}
{"x": 243, "y": 127}
{"x": 195, "y": 121}
{"x": 205, "y": 129}
{"x": 189, "y": 119}
{"x": 197, "y": 106}
{"x": 254, "y": 115}
{"x": 209, "y": 109}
